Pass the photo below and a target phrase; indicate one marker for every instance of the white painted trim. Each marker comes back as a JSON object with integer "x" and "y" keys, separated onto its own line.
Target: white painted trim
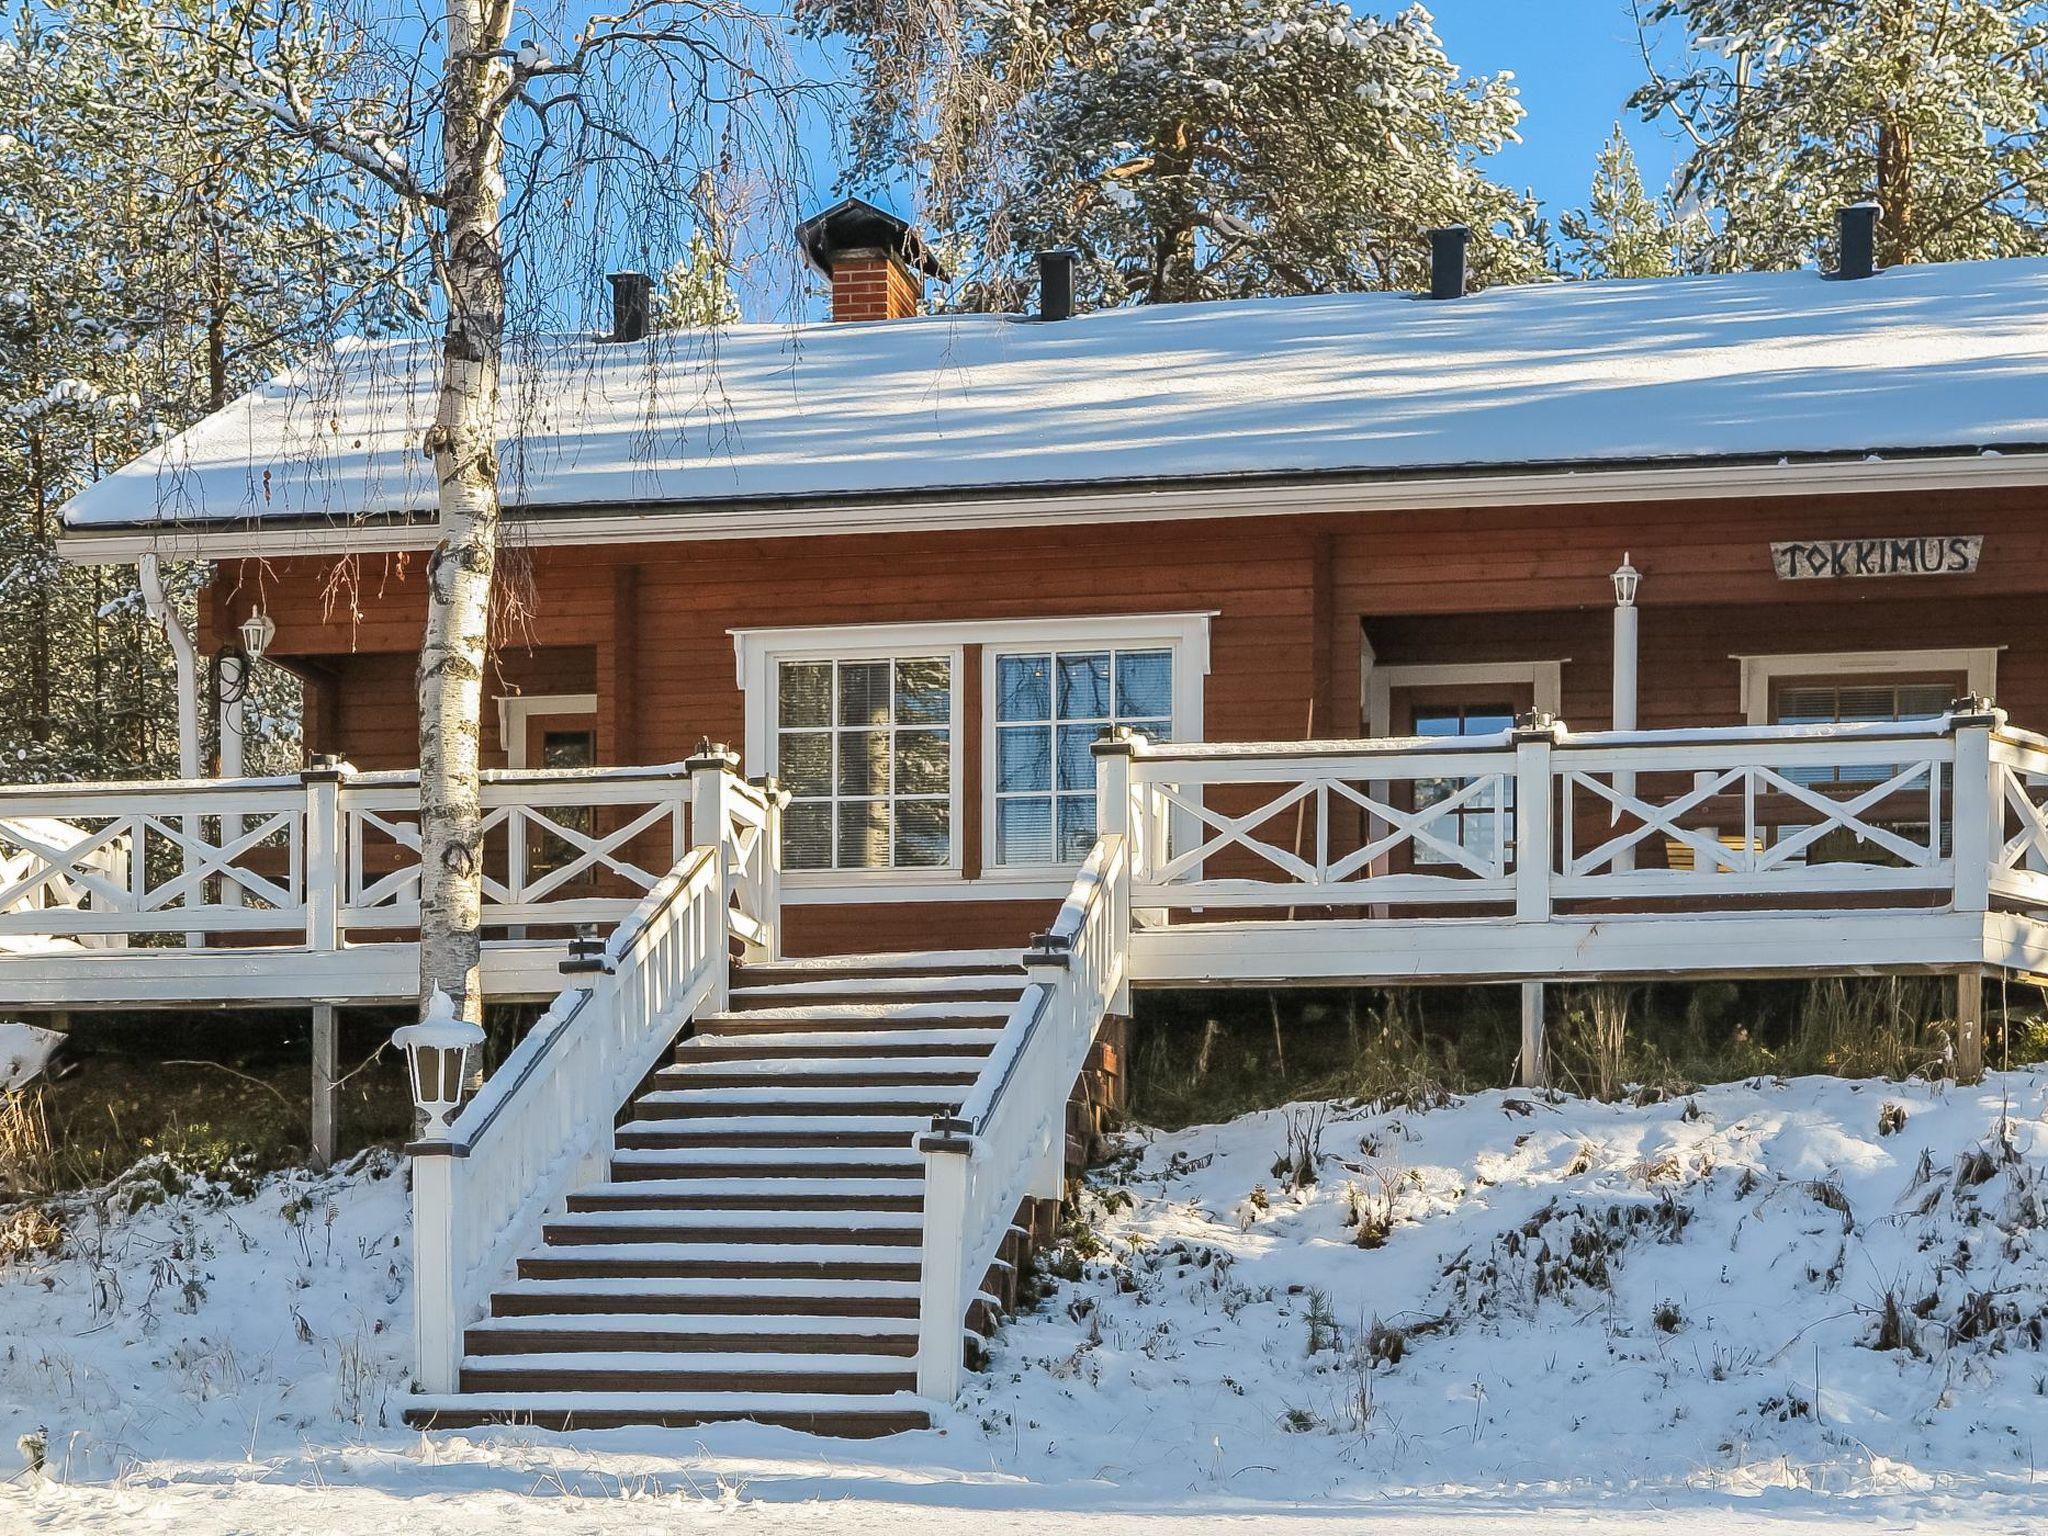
{"x": 757, "y": 652}
{"x": 515, "y": 709}
{"x": 1978, "y": 664}
{"x": 1185, "y": 636}
{"x": 1028, "y": 507}
{"x": 1545, "y": 679}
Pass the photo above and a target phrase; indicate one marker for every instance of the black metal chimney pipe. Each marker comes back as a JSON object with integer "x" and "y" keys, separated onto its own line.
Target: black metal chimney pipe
{"x": 1056, "y": 284}
{"x": 632, "y": 304}
{"x": 1856, "y": 241}
{"x": 1447, "y": 261}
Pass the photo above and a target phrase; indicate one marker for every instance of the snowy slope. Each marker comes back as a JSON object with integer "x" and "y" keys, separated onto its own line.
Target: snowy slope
{"x": 1615, "y": 1318}
{"x": 24, "y": 1049}
{"x": 1747, "y": 365}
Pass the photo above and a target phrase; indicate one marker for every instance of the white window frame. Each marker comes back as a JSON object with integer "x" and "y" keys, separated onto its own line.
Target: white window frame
{"x": 758, "y": 653}
{"x": 1543, "y": 679}
{"x": 1190, "y": 661}
{"x": 1978, "y": 665}
{"x": 516, "y": 710}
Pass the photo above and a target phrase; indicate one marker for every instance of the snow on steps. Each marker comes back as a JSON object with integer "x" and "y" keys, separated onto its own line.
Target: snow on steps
{"x": 754, "y": 1252}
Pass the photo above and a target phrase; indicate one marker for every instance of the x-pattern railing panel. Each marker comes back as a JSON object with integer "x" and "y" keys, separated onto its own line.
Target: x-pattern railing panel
{"x": 1759, "y": 847}
{"x": 1337, "y": 835}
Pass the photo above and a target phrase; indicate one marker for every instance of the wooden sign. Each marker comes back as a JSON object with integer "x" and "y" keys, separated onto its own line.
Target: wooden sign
{"x": 1825, "y": 559}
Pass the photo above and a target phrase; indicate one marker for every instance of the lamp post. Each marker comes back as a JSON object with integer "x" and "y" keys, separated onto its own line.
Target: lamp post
{"x": 1626, "y": 579}
{"x": 436, "y": 1050}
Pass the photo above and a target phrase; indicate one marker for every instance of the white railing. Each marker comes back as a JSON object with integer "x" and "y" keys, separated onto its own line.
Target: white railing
{"x": 541, "y": 1126}
{"x": 46, "y": 865}
{"x": 1008, "y": 1143}
{"x": 1941, "y": 810}
{"x": 307, "y": 860}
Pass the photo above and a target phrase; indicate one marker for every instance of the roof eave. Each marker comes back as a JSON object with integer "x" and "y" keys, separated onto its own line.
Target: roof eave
{"x": 1149, "y": 499}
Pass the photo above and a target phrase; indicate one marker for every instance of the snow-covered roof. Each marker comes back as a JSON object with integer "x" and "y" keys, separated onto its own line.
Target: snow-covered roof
{"x": 1682, "y": 370}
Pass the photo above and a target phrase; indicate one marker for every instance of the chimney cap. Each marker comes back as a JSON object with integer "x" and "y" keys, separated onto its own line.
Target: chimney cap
{"x": 854, "y": 224}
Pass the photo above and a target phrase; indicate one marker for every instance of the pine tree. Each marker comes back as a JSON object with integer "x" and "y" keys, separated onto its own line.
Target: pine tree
{"x": 1208, "y": 149}
{"x": 1933, "y": 108}
{"x": 162, "y": 253}
{"x": 1622, "y": 231}
{"x": 697, "y": 292}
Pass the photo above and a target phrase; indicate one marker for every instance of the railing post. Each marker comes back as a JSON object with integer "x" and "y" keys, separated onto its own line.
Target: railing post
{"x": 942, "y": 1300}
{"x": 1978, "y": 811}
{"x": 1118, "y": 811}
{"x": 771, "y": 867}
{"x": 437, "y": 1298}
{"x": 325, "y": 864}
{"x": 1535, "y": 736}
{"x": 711, "y": 827}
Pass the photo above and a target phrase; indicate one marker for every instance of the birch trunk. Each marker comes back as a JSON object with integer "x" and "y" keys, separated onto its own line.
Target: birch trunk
{"x": 463, "y": 444}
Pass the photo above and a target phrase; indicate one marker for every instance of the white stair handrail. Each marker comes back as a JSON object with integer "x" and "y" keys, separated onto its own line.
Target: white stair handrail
{"x": 1008, "y": 1142}
{"x": 541, "y": 1125}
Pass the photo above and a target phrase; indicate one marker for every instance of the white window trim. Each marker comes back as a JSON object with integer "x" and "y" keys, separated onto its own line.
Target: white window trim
{"x": 1978, "y": 664}
{"x": 1187, "y": 644}
{"x": 758, "y": 652}
{"x": 515, "y": 710}
{"x": 1544, "y": 679}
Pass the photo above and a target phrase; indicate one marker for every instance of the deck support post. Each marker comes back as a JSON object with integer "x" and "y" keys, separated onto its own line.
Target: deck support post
{"x": 1969, "y": 1042}
{"x": 326, "y": 1087}
{"x": 1535, "y": 1065}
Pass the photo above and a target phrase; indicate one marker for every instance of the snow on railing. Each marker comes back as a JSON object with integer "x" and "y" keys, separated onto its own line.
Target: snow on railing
{"x": 1950, "y": 806}
{"x": 308, "y": 859}
{"x": 541, "y": 1125}
{"x": 1009, "y": 1140}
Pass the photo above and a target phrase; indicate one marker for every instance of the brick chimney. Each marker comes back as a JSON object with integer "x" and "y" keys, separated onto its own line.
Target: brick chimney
{"x": 877, "y": 263}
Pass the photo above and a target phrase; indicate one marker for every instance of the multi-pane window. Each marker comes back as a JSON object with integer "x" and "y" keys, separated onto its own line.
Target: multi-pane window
{"x": 1833, "y": 703}
{"x": 865, "y": 750}
{"x": 1472, "y": 825}
{"x": 1050, "y": 708}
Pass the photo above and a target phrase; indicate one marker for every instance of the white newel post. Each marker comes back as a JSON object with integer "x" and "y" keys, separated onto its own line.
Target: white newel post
{"x": 325, "y": 862}
{"x": 942, "y": 1288}
{"x": 437, "y": 1296}
{"x": 1978, "y": 812}
{"x": 437, "y": 1051}
{"x": 711, "y": 827}
{"x": 1119, "y": 811}
{"x": 1626, "y": 652}
{"x": 771, "y": 869}
{"x": 1535, "y": 835}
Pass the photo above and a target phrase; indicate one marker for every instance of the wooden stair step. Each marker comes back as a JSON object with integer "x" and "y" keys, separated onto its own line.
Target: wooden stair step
{"x": 751, "y": 1296}
{"x": 966, "y": 962}
{"x": 823, "y": 1045}
{"x": 756, "y": 1261}
{"x": 750, "y": 1194}
{"x": 739, "y": 1229}
{"x": 667, "y": 1372}
{"x": 800, "y": 1099}
{"x": 730, "y": 1026}
{"x": 809, "y": 1133}
{"x": 746, "y": 1333}
{"x": 840, "y": 1415}
{"x": 751, "y": 991}
{"x": 899, "y": 1013}
{"x": 809, "y": 1072}
{"x": 798, "y": 1160}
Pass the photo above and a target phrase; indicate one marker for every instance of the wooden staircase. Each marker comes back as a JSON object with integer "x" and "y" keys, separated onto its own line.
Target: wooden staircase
{"x": 754, "y": 1251}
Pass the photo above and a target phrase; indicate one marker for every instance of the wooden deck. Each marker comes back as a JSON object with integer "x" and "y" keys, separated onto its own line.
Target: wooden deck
{"x": 1756, "y": 851}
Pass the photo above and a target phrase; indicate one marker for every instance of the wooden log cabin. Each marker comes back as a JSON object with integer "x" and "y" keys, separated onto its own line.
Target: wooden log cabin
{"x": 1677, "y": 627}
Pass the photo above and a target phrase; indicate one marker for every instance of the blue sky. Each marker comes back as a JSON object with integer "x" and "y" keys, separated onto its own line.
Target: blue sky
{"x": 1576, "y": 62}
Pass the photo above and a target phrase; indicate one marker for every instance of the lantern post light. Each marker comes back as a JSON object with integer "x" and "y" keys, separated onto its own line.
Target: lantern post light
{"x": 1627, "y": 579}
{"x": 436, "y": 1049}
{"x": 257, "y": 631}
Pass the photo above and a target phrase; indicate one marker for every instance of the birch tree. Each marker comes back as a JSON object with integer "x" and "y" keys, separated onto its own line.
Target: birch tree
{"x": 523, "y": 151}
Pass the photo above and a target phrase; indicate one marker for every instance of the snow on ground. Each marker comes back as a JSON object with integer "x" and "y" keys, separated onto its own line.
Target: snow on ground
{"x": 24, "y": 1049}
{"x": 1773, "y": 1305}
